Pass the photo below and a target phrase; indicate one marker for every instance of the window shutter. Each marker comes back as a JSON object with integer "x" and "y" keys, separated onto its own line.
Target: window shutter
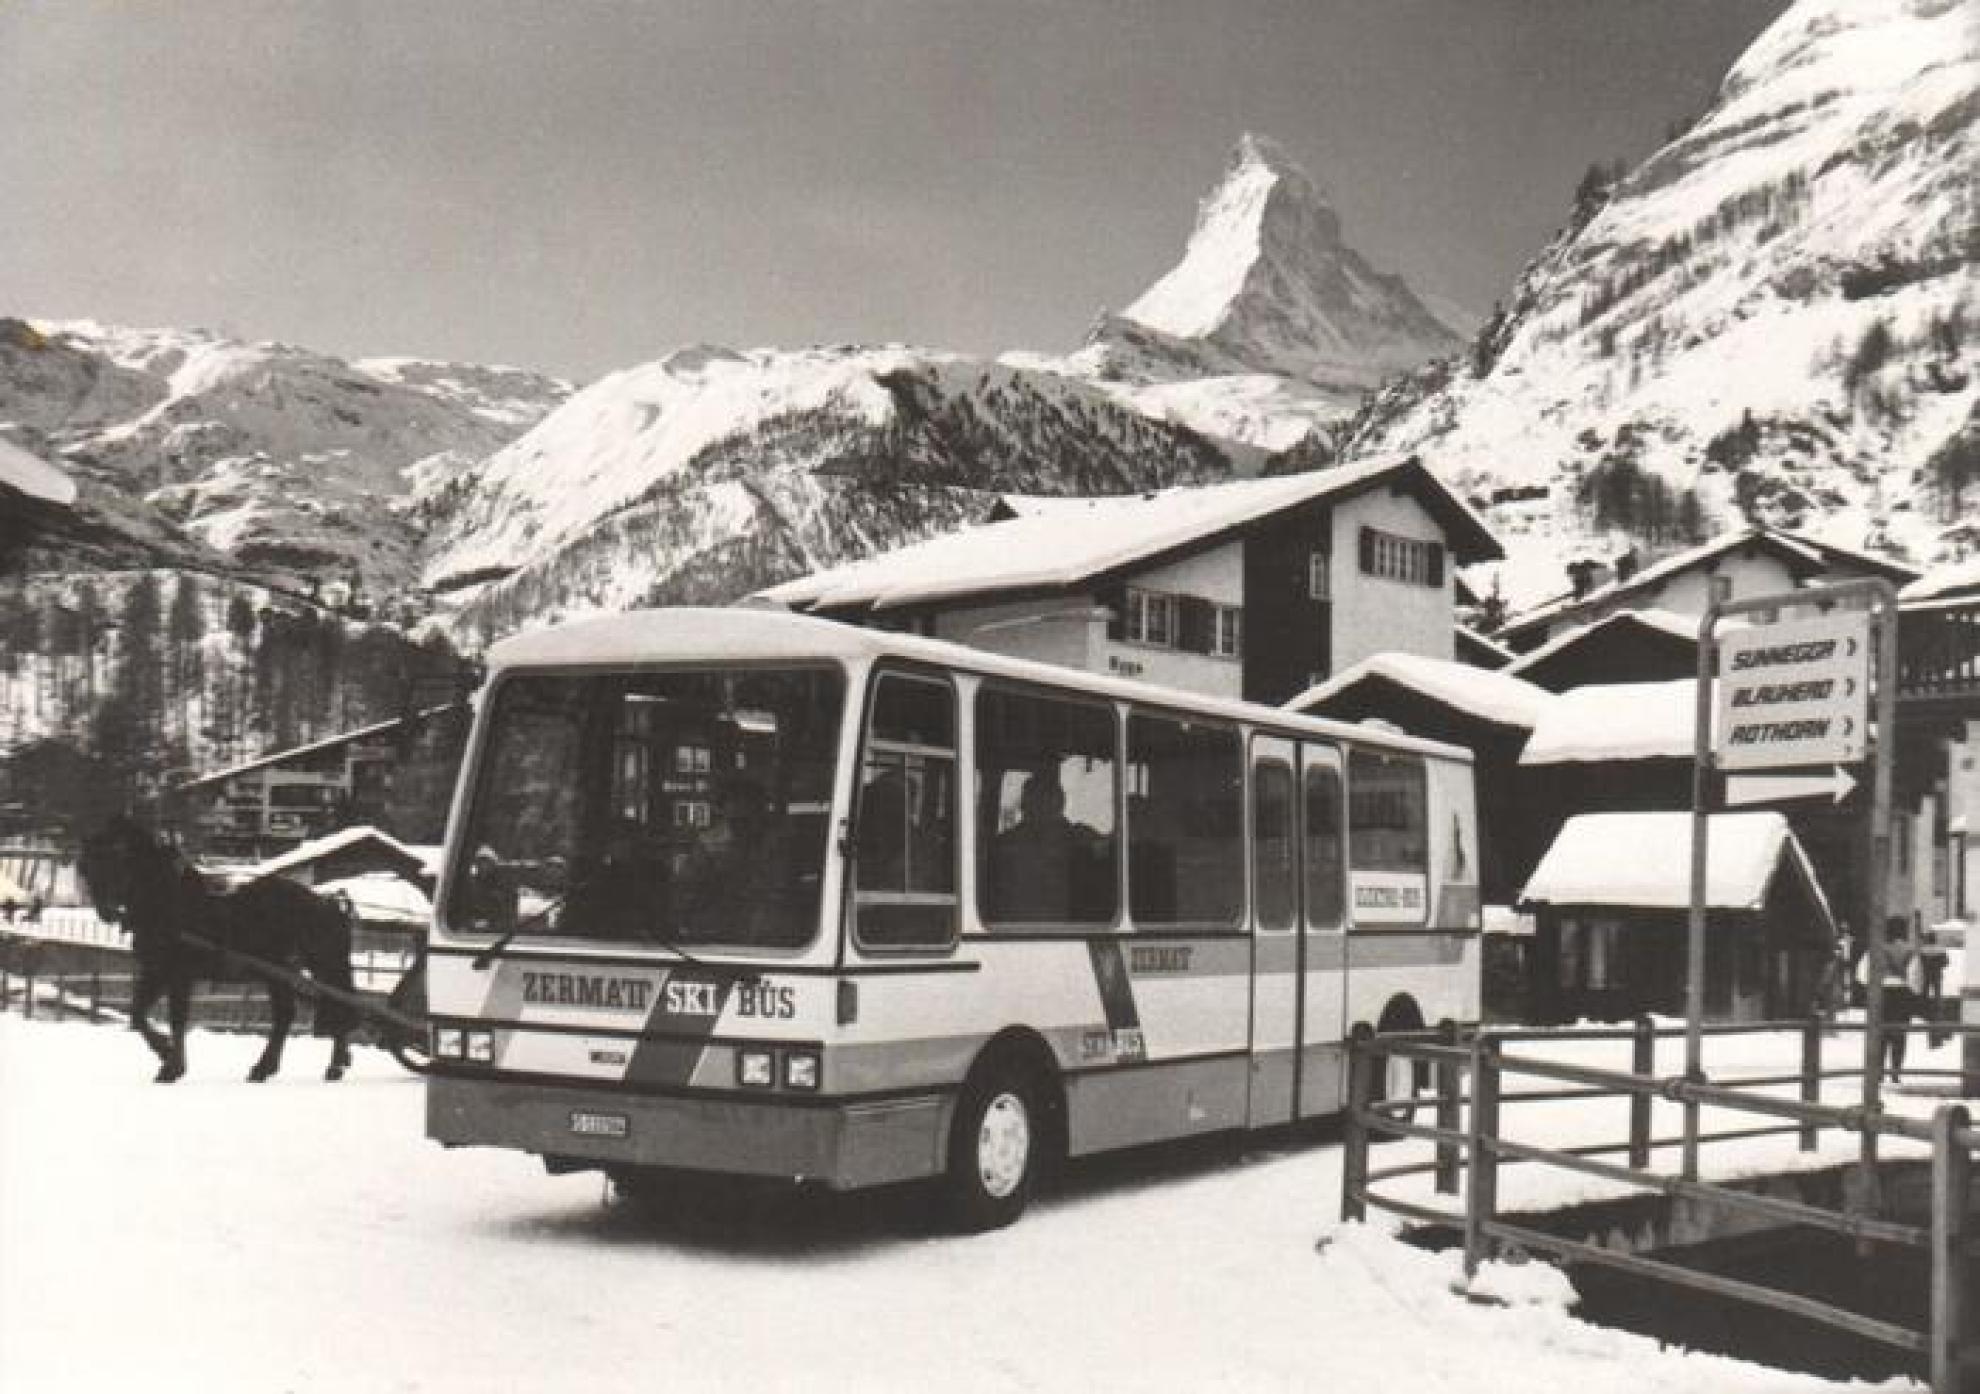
{"x": 1196, "y": 621}
{"x": 1436, "y": 567}
{"x": 1114, "y": 599}
{"x": 1367, "y": 537}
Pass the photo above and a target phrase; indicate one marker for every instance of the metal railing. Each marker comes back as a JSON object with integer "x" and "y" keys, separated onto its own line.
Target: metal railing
{"x": 1470, "y": 1099}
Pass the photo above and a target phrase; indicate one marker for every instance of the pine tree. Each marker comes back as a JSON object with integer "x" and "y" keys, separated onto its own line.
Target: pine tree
{"x": 136, "y": 727}
{"x": 185, "y": 627}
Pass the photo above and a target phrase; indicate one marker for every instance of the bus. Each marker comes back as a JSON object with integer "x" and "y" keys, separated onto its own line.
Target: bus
{"x": 746, "y": 892}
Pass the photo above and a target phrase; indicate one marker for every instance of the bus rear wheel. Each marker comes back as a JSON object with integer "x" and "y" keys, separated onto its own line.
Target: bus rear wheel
{"x": 994, "y": 1148}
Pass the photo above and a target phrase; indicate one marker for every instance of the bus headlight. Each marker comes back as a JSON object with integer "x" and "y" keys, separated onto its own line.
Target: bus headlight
{"x": 801, "y": 1069}
{"x": 756, "y": 1069}
{"x": 481, "y": 1047}
{"x": 447, "y": 1043}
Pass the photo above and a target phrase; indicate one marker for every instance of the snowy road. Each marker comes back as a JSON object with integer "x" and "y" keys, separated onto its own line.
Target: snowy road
{"x": 221, "y": 1237}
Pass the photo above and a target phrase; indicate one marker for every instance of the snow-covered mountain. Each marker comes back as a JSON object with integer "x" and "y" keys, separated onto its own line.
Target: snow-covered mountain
{"x": 1773, "y": 317}
{"x": 191, "y": 448}
{"x": 714, "y": 472}
{"x": 1271, "y": 324}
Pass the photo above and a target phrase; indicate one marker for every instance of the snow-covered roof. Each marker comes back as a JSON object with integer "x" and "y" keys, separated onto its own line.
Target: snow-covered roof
{"x": 34, "y": 476}
{"x": 747, "y": 633}
{"x": 318, "y": 848}
{"x": 1616, "y": 721}
{"x": 1493, "y": 696}
{"x": 296, "y": 752}
{"x": 1813, "y": 556}
{"x": 1056, "y": 548}
{"x": 380, "y": 895}
{"x": 1954, "y": 578}
{"x": 1663, "y": 621}
{"x": 1644, "y": 860}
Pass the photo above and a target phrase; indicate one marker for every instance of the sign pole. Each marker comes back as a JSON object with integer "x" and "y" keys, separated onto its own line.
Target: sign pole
{"x": 1883, "y": 619}
{"x": 1791, "y": 695}
{"x": 1701, "y": 822}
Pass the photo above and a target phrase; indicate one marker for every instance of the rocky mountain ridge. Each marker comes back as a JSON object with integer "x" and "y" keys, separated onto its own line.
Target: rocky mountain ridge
{"x": 1770, "y": 319}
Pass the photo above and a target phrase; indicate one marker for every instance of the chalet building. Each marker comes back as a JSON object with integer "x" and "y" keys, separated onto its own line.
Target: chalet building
{"x": 1489, "y": 714}
{"x": 398, "y": 774}
{"x": 1612, "y": 898}
{"x": 1255, "y": 589}
{"x": 1751, "y": 561}
{"x": 1628, "y": 646}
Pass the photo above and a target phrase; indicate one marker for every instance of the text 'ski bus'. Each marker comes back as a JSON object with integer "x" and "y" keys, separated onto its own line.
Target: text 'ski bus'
{"x": 738, "y": 891}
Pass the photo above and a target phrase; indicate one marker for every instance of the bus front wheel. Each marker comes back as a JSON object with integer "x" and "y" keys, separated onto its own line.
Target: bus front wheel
{"x": 994, "y": 1149}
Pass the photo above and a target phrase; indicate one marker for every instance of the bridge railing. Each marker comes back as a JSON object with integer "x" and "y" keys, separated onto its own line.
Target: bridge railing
{"x": 1470, "y": 1144}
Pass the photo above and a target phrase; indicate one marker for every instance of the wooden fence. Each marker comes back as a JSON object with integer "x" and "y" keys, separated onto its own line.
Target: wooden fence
{"x": 1471, "y": 1100}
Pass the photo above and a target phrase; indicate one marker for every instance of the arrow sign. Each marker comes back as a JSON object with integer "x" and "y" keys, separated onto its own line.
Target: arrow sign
{"x": 1838, "y": 784}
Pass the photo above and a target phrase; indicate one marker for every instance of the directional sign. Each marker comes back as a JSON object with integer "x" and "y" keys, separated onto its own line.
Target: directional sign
{"x": 1795, "y": 693}
{"x": 1835, "y": 786}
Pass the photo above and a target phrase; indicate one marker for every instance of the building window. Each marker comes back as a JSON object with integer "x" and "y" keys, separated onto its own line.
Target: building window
{"x": 1151, "y": 618}
{"x": 692, "y": 759}
{"x": 1393, "y": 558}
{"x": 1319, "y": 583}
{"x": 1229, "y": 640}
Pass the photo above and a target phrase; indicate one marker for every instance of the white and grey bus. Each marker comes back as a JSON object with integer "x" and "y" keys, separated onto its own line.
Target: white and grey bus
{"x": 744, "y": 892}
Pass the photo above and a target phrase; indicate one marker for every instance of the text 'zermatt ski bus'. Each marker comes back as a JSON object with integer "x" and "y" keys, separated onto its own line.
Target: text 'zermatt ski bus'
{"x": 739, "y": 891}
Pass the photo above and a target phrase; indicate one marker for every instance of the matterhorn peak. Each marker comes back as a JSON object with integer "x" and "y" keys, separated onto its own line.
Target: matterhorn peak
{"x": 1268, "y": 280}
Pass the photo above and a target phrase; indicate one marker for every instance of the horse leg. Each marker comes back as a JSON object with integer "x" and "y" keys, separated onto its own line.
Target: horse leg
{"x": 144, "y": 995}
{"x": 281, "y": 1012}
{"x": 340, "y": 1056}
{"x": 178, "y": 998}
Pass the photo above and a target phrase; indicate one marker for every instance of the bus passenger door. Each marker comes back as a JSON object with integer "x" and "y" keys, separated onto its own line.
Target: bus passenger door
{"x": 1275, "y": 937}
{"x": 1323, "y": 897}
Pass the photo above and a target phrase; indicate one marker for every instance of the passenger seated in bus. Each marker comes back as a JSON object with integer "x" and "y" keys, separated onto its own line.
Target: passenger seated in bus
{"x": 1037, "y": 864}
{"x": 882, "y": 845}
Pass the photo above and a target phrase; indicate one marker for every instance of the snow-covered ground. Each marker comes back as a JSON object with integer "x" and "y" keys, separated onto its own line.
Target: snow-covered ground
{"x": 297, "y": 1236}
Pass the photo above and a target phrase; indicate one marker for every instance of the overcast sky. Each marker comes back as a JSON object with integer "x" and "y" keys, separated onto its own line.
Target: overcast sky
{"x": 576, "y": 185}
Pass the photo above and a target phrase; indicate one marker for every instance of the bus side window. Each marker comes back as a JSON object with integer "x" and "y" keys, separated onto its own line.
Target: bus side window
{"x": 1322, "y": 862}
{"x": 904, "y": 872}
{"x": 1389, "y": 836}
{"x": 1186, "y": 835}
{"x": 1047, "y": 788}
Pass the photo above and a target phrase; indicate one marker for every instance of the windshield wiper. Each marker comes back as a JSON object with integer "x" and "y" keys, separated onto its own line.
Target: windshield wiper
{"x": 542, "y": 913}
{"x": 537, "y": 916}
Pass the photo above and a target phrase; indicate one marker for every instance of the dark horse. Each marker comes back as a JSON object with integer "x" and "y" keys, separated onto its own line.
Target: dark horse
{"x": 164, "y": 904}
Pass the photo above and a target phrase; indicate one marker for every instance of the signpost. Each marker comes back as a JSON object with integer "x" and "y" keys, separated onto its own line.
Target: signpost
{"x": 1795, "y": 693}
{"x": 1792, "y": 698}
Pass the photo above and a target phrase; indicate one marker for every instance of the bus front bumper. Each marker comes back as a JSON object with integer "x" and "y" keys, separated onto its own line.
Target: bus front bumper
{"x": 845, "y": 1145}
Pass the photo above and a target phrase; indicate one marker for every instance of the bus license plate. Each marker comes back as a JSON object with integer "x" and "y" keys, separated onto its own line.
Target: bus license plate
{"x": 599, "y": 1124}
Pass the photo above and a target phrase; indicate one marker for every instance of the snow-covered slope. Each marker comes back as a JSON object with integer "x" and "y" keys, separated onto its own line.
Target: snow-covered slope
{"x": 290, "y": 463}
{"x": 1774, "y": 313}
{"x": 712, "y": 472}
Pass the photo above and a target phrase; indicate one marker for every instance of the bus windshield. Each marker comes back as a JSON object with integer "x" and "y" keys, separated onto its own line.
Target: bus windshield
{"x": 685, "y": 807}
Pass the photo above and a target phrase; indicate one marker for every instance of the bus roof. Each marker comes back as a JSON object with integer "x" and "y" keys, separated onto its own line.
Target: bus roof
{"x": 749, "y": 634}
